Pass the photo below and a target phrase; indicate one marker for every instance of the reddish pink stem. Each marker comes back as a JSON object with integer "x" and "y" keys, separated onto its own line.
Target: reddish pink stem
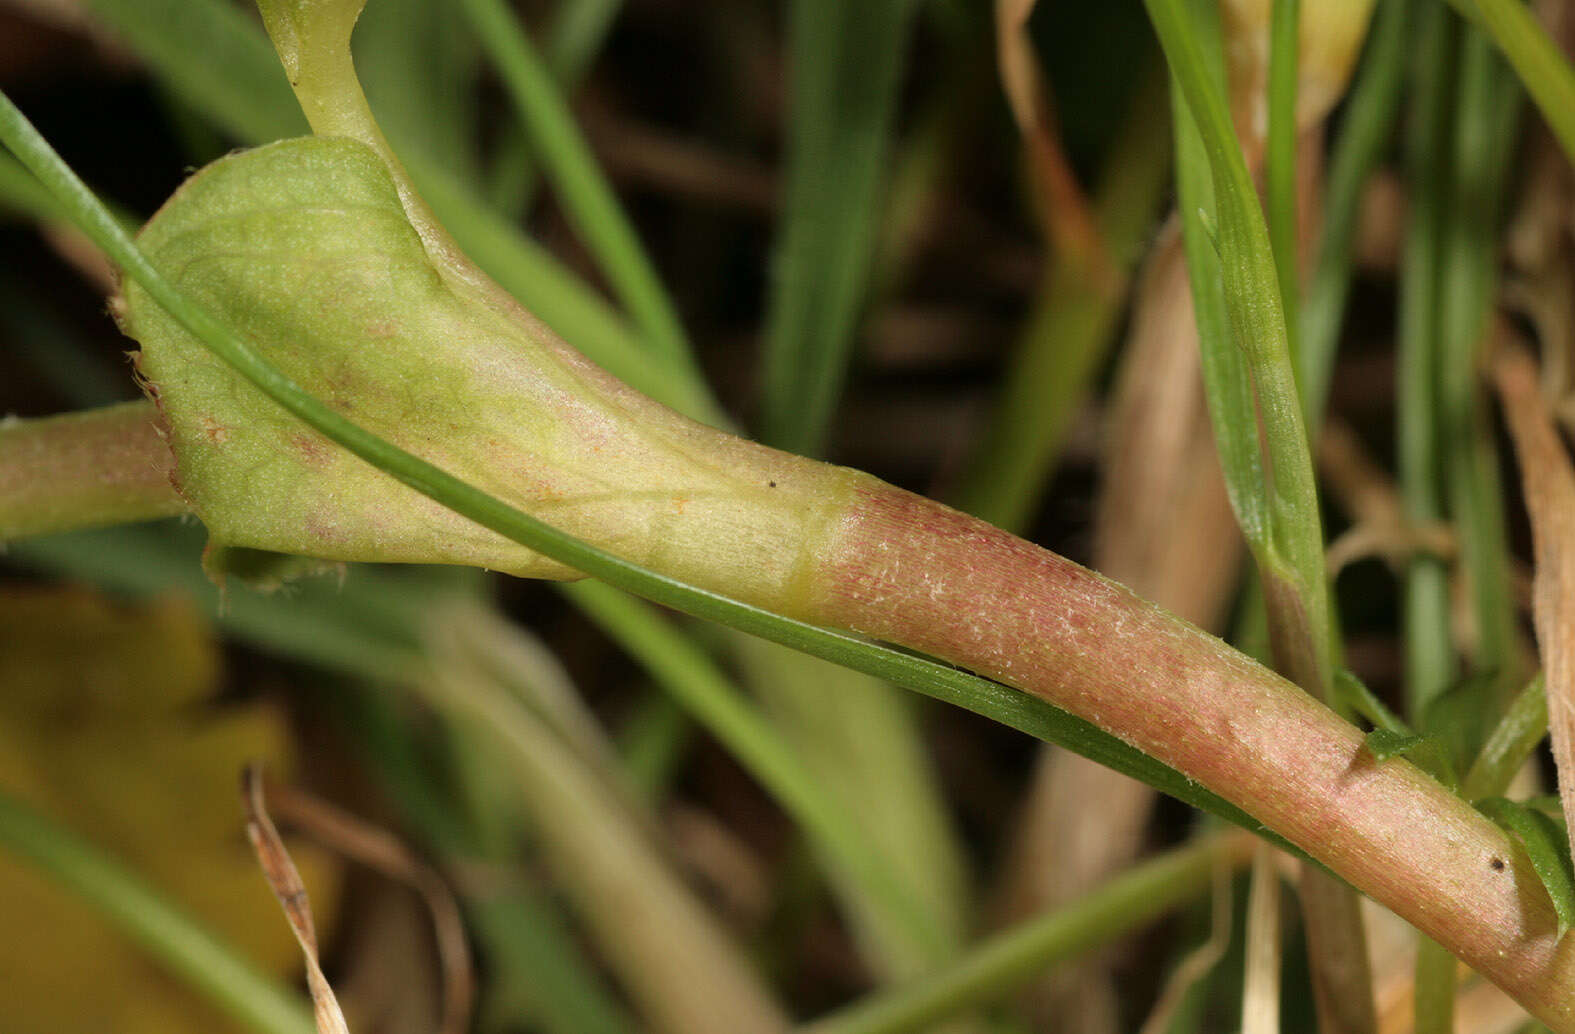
{"x": 907, "y": 570}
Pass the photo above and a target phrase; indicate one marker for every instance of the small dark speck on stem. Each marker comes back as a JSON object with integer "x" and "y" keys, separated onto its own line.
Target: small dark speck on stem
{"x": 771, "y": 484}
{"x": 1497, "y": 864}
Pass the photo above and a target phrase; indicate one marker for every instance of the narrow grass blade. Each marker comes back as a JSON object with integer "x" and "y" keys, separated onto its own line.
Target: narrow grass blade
{"x": 1279, "y": 167}
{"x": 1510, "y": 743}
{"x": 587, "y": 197}
{"x": 861, "y": 736}
{"x": 1545, "y": 71}
{"x": 1486, "y": 105}
{"x": 213, "y": 55}
{"x": 1435, "y": 988}
{"x": 1254, "y": 398}
{"x": 1260, "y": 1005}
{"x": 419, "y": 64}
{"x": 23, "y": 195}
{"x": 901, "y": 922}
{"x": 650, "y": 927}
{"x": 1278, "y": 509}
{"x": 993, "y": 968}
{"x": 573, "y": 40}
{"x": 846, "y": 60}
{"x": 1429, "y": 657}
{"x": 1364, "y": 132}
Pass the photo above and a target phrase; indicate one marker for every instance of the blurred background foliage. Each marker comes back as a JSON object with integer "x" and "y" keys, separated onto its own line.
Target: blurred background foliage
{"x": 930, "y": 240}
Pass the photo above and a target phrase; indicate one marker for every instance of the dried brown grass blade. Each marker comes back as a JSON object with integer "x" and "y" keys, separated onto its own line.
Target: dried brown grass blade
{"x": 1549, "y": 485}
{"x": 1064, "y": 207}
{"x": 1368, "y": 495}
{"x": 381, "y": 851}
{"x": 1260, "y": 1000}
{"x": 286, "y": 884}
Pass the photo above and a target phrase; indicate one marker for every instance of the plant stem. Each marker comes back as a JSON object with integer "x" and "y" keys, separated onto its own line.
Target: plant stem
{"x": 1040, "y": 622}
{"x": 148, "y": 918}
{"x": 84, "y": 470}
{"x": 997, "y": 966}
{"x": 894, "y": 566}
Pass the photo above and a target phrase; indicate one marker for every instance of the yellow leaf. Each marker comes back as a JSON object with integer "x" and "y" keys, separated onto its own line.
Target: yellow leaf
{"x": 108, "y": 726}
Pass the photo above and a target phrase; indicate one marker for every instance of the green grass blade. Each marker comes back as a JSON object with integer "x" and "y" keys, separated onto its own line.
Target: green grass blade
{"x": 1071, "y": 327}
{"x": 418, "y": 63}
{"x": 993, "y": 968}
{"x": 578, "y": 31}
{"x": 212, "y": 54}
{"x": 576, "y": 35}
{"x": 1429, "y": 660}
{"x": 845, "y": 60}
{"x": 1289, "y": 550}
{"x": 863, "y": 737}
{"x": 1266, "y": 410}
{"x": 587, "y": 198}
{"x": 1435, "y": 988}
{"x": 651, "y": 743}
{"x": 1018, "y": 710}
{"x": 177, "y": 940}
{"x": 1225, "y": 374}
{"x": 1279, "y": 168}
{"x": 320, "y": 623}
{"x": 1364, "y": 132}
{"x": 652, "y": 929}
{"x": 1545, "y": 71}
{"x": 22, "y": 194}
{"x": 845, "y": 65}
{"x": 1511, "y": 742}
{"x": 686, "y": 672}
{"x": 528, "y": 939}
{"x": 1488, "y": 100}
